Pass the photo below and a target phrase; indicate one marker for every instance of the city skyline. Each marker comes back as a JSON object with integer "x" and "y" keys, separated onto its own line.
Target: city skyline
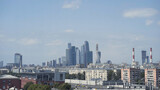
{"x": 40, "y": 30}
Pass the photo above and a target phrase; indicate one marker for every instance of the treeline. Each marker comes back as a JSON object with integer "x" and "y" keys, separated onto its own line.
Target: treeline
{"x": 78, "y": 76}
{"x": 113, "y": 76}
{"x": 31, "y": 86}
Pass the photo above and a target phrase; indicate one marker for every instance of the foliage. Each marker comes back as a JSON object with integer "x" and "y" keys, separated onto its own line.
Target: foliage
{"x": 113, "y": 75}
{"x": 64, "y": 86}
{"x": 75, "y": 76}
{"x": 39, "y": 87}
{"x": 27, "y": 85}
{"x": 56, "y": 85}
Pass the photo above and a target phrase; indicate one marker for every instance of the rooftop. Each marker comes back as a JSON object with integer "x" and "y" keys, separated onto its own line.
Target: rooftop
{"x": 8, "y": 77}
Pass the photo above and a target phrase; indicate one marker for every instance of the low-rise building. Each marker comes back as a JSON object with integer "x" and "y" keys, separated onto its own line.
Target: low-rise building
{"x": 4, "y": 71}
{"x": 48, "y": 78}
{"x": 8, "y": 81}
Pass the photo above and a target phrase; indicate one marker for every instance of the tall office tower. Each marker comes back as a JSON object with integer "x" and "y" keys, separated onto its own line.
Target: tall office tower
{"x": 63, "y": 58}
{"x": 86, "y": 54}
{"x": 78, "y": 56}
{"x": 143, "y": 57}
{"x": 1, "y": 63}
{"x": 82, "y": 55}
{"x": 18, "y": 59}
{"x": 50, "y": 64}
{"x": 98, "y": 55}
{"x": 54, "y": 63}
{"x": 133, "y": 55}
{"x": 43, "y": 64}
{"x": 147, "y": 59}
{"x": 71, "y": 55}
{"x": 59, "y": 61}
{"x": 151, "y": 55}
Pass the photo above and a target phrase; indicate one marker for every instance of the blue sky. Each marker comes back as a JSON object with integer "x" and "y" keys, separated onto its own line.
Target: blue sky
{"x": 40, "y": 30}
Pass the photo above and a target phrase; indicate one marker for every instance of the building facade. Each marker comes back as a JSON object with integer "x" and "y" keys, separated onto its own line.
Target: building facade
{"x": 130, "y": 75}
{"x": 96, "y": 74}
{"x": 98, "y": 55}
{"x": 8, "y": 81}
{"x": 18, "y": 59}
{"x": 152, "y": 77}
{"x": 47, "y": 78}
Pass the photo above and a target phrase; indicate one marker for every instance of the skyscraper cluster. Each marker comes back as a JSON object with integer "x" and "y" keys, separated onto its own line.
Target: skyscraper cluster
{"x": 76, "y": 56}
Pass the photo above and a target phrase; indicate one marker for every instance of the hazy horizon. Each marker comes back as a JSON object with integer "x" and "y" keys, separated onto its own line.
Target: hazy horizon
{"x": 40, "y": 30}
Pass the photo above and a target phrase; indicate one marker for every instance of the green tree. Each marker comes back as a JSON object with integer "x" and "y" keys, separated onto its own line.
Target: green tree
{"x": 39, "y": 87}
{"x": 56, "y": 85}
{"x": 64, "y": 86}
{"x": 27, "y": 85}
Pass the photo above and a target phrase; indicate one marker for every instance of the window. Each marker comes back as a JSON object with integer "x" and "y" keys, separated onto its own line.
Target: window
{"x": 4, "y": 87}
{"x": 61, "y": 76}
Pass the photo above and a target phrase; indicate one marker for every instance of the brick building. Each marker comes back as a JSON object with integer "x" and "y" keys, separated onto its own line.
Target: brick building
{"x": 8, "y": 81}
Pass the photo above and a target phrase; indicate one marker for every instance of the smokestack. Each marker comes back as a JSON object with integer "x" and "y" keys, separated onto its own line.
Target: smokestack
{"x": 150, "y": 55}
{"x": 133, "y": 55}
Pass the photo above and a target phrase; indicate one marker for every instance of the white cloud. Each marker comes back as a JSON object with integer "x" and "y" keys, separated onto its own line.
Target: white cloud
{"x": 74, "y": 4}
{"x": 69, "y": 30}
{"x": 28, "y": 41}
{"x": 54, "y": 43}
{"x": 149, "y": 22}
{"x": 158, "y": 23}
{"x": 145, "y": 12}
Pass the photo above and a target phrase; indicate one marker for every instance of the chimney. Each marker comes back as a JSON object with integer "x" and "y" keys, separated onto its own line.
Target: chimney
{"x": 150, "y": 55}
{"x": 133, "y": 55}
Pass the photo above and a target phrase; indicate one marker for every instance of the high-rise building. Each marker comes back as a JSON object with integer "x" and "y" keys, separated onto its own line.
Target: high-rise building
{"x": 18, "y": 59}
{"x": 147, "y": 59}
{"x": 152, "y": 77}
{"x": 1, "y": 63}
{"x": 86, "y": 54}
{"x": 43, "y": 64}
{"x": 130, "y": 75}
{"x": 143, "y": 57}
{"x": 78, "y": 56}
{"x": 71, "y": 55}
{"x": 63, "y": 59}
{"x": 98, "y": 55}
{"x": 54, "y": 63}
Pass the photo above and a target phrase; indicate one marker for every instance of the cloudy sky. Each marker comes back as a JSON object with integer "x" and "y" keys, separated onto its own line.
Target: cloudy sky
{"x": 41, "y": 29}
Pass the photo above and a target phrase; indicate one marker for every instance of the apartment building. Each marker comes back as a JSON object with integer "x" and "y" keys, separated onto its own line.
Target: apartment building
{"x": 96, "y": 74}
{"x": 152, "y": 77}
{"x": 130, "y": 75}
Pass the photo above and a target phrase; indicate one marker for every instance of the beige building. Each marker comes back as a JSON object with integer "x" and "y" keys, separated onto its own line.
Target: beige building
{"x": 99, "y": 74}
{"x": 130, "y": 75}
{"x": 76, "y": 71}
{"x": 152, "y": 77}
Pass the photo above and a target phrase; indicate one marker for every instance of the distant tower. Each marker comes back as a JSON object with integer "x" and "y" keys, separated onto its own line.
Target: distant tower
{"x": 18, "y": 59}
{"x": 151, "y": 55}
{"x": 144, "y": 57}
{"x": 98, "y": 55}
{"x": 133, "y": 55}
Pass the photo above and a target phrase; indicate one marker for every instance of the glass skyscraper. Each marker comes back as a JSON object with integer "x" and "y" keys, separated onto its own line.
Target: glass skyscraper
{"x": 143, "y": 57}
{"x": 18, "y": 59}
